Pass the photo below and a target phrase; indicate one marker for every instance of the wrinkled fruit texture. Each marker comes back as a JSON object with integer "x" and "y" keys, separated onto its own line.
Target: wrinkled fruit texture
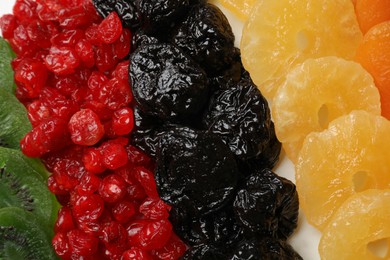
{"x": 71, "y": 76}
{"x": 350, "y": 156}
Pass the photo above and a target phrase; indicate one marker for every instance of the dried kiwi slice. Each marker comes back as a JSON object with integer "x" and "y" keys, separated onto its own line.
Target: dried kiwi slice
{"x": 22, "y": 185}
{"x": 24, "y": 236}
{"x": 14, "y": 123}
{"x": 6, "y": 72}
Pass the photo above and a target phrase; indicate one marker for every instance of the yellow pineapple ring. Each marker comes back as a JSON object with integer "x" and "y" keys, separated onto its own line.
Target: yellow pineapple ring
{"x": 352, "y": 155}
{"x": 241, "y": 8}
{"x": 280, "y": 34}
{"x": 317, "y": 91}
{"x": 363, "y": 220}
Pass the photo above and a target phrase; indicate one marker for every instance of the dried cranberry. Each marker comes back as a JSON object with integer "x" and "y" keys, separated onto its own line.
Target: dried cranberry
{"x": 110, "y": 28}
{"x": 89, "y": 208}
{"x": 62, "y": 60}
{"x": 123, "y": 210}
{"x": 81, "y": 243}
{"x": 8, "y": 24}
{"x": 64, "y": 222}
{"x": 136, "y": 254}
{"x": 85, "y": 127}
{"x": 112, "y": 188}
{"x": 61, "y": 245}
{"x": 148, "y": 235}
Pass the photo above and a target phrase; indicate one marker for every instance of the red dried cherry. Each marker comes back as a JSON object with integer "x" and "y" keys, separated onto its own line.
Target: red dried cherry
{"x": 110, "y": 28}
{"x": 85, "y": 127}
{"x": 62, "y": 60}
{"x": 112, "y": 188}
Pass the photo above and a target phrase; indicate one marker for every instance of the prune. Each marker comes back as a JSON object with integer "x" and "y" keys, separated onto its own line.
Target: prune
{"x": 143, "y": 135}
{"x": 128, "y": 12}
{"x": 267, "y": 158}
{"x": 167, "y": 83}
{"x": 141, "y": 38}
{"x": 267, "y": 205}
{"x": 203, "y": 252}
{"x": 242, "y": 118}
{"x": 230, "y": 77}
{"x": 264, "y": 249}
{"x": 217, "y": 228}
{"x": 195, "y": 168}
{"x": 207, "y": 37}
{"x": 104, "y": 7}
{"x": 162, "y": 14}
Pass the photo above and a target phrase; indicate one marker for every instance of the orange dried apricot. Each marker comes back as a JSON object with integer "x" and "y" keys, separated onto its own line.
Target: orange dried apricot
{"x": 374, "y": 55}
{"x": 371, "y": 12}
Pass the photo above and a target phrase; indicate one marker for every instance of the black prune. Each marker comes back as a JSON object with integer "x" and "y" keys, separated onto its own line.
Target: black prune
{"x": 267, "y": 158}
{"x": 207, "y": 37}
{"x": 158, "y": 16}
{"x": 104, "y": 7}
{"x": 218, "y": 228}
{"x": 267, "y": 205}
{"x": 264, "y": 249}
{"x": 196, "y": 168}
{"x": 204, "y": 252}
{"x": 242, "y": 118}
{"x": 128, "y": 13}
{"x": 141, "y": 38}
{"x": 167, "y": 83}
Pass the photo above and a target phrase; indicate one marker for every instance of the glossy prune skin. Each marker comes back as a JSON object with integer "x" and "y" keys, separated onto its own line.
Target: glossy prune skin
{"x": 159, "y": 16}
{"x": 267, "y": 205}
{"x": 203, "y": 252}
{"x": 218, "y": 228}
{"x": 241, "y": 116}
{"x": 264, "y": 249}
{"x": 128, "y": 13}
{"x": 207, "y": 37}
{"x": 166, "y": 83}
{"x": 104, "y": 7}
{"x": 195, "y": 168}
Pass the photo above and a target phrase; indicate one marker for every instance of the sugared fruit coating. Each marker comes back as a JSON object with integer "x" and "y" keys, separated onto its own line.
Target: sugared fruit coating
{"x": 359, "y": 229}
{"x": 374, "y": 55}
{"x": 352, "y": 155}
{"x": 281, "y": 34}
{"x": 317, "y": 91}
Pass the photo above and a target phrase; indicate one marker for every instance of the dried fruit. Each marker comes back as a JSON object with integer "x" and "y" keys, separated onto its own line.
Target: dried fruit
{"x": 347, "y": 158}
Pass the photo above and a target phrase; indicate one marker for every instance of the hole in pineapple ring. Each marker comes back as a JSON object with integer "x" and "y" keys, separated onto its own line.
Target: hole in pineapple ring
{"x": 302, "y": 40}
{"x": 360, "y": 181}
{"x": 379, "y": 248}
{"x": 323, "y": 118}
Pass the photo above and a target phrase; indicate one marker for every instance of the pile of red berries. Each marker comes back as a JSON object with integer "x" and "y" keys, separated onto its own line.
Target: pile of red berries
{"x": 71, "y": 75}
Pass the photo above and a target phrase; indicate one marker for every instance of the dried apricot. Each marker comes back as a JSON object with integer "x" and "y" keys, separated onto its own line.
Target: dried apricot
{"x": 371, "y": 12}
{"x": 374, "y": 55}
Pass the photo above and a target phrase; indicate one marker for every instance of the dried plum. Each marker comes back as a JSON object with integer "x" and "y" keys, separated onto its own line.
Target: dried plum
{"x": 203, "y": 252}
{"x": 242, "y": 118}
{"x": 264, "y": 249}
{"x": 162, "y": 14}
{"x": 267, "y": 158}
{"x": 195, "y": 168}
{"x": 207, "y": 37}
{"x": 128, "y": 12}
{"x": 167, "y": 83}
{"x": 104, "y": 7}
{"x": 217, "y": 228}
{"x": 267, "y": 205}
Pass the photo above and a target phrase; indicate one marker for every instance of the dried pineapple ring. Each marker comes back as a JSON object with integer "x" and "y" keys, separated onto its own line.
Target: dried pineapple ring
{"x": 352, "y": 155}
{"x": 361, "y": 221}
{"x": 281, "y": 34}
{"x": 241, "y": 8}
{"x": 316, "y": 92}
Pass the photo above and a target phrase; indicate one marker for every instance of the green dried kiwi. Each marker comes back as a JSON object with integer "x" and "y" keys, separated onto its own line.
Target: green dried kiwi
{"x": 6, "y": 72}
{"x": 23, "y": 185}
{"x": 23, "y": 235}
{"x": 14, "y": 123}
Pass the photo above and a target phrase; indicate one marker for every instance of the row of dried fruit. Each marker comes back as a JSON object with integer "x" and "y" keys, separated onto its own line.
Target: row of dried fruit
{"x": 196, "y": 112}
{"x": 327, "y": 111}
